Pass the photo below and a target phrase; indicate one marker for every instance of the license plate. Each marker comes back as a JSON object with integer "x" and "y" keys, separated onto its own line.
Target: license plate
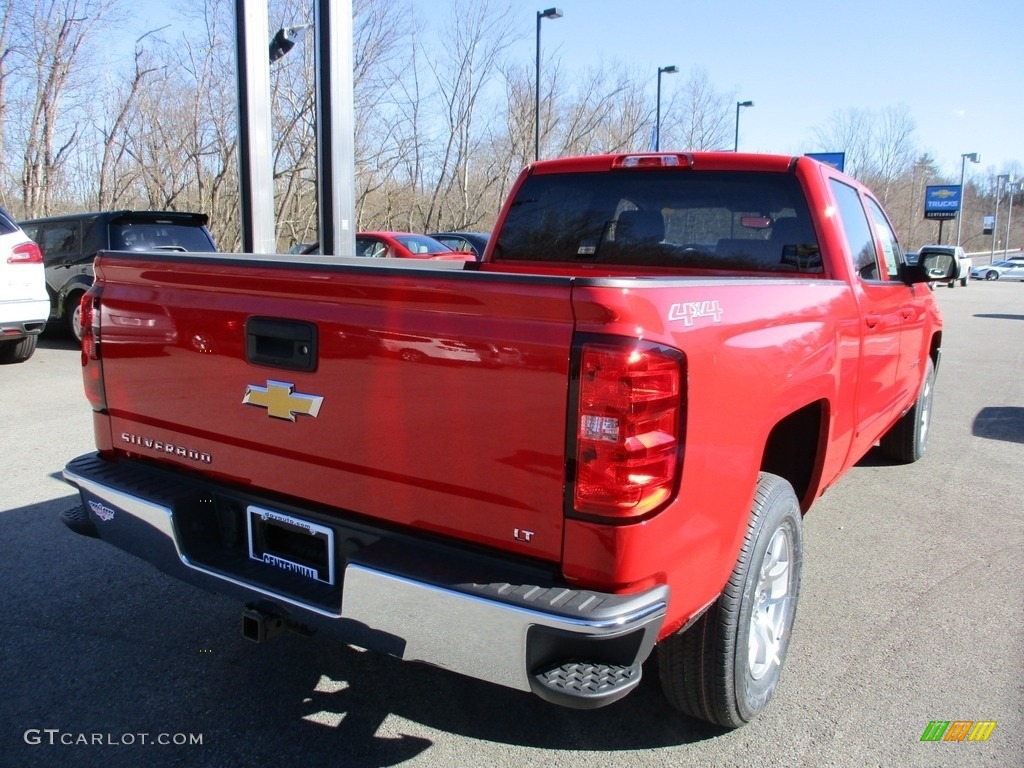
{"x": 291, "y": 544}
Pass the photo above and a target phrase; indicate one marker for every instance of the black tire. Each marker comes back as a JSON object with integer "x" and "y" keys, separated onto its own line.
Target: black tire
{"x": 991, "y": 275}
{"x": 718, "y": 669}
{"x": 963, "y": 282}
{"x": 413, "y": 356}
{"x": 17, "y": 351}
{"x": 73, "y": 315}
{"x": 907, "y": 439}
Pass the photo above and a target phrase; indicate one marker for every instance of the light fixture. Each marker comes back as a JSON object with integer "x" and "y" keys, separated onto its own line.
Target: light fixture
{"x": 285, "y": 39}
{"x": 739, "y": 104}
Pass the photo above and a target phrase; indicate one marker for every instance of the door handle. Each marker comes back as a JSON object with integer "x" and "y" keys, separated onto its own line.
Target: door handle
{"x": 872, "y": 320}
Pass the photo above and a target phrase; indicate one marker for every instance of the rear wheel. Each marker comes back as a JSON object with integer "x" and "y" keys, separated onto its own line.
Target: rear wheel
{"x": 726, "y": 666}
{"x": 907, "y": 439}
{"x": 73, "y": 314}
{"x": 17, "y": 351}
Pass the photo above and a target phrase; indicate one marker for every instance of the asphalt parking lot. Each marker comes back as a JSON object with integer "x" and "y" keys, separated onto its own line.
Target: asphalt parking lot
{"x": 912, "y": 610}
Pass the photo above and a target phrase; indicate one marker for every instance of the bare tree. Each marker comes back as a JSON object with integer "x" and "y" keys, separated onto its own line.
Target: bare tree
{"x": 605, "y": 114}
{"x": 906, "y": 201}
{"x": 850, "y": 131}
{"x": 698, "y": 116}
{"x": 111, "y": 187}
{"x": 893, "y": 149}
{"x": 57, "y": 33}
{"x": 517, "y": 134}
{"x": 6, "y": 6}
{"x": 477, "y": 36}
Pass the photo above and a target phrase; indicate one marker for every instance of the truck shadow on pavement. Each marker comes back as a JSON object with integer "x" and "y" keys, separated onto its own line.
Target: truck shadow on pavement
{"x": 106, "y": 644}
{"x": 1003, "y": 317}
{"x": 1004, "y": 423}
{"x": 57, "y": 339}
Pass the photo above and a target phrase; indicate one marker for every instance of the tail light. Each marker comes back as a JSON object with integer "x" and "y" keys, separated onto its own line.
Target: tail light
{"x": 628, "y": 449}
{"x": 26, "y": 253}
{"x": 92, "y": 366}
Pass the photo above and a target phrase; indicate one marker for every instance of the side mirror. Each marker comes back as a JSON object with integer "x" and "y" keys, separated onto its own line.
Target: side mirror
{"x": 931, "y": 267}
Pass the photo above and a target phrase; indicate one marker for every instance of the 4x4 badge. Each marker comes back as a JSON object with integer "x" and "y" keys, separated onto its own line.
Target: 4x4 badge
{"x": 280, "y": 401}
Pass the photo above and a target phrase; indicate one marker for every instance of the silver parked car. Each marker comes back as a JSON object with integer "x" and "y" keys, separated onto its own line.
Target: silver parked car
{"x": 24, "y": 304}
{"x": 999, "y": 270}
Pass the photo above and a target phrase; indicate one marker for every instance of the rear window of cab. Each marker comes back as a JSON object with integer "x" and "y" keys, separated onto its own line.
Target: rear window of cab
{"x": 709, "y": 219}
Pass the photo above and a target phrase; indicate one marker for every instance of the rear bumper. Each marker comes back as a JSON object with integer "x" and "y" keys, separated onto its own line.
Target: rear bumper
{"x": 478, "y": 614}
{"x": 23, "y": 318}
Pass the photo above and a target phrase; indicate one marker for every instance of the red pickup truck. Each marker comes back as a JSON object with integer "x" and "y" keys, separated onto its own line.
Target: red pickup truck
{"x": 661, "y": 361}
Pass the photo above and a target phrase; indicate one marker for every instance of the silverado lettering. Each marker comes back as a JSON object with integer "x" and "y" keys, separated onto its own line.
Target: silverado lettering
{"x": 581, "y": 387}
{"x": 157, "y": 445}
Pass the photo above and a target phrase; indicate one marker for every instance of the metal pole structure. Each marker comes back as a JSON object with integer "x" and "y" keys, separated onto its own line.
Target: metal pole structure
{"x": 335, "y": 127}
{"x": 736, "y": 143}
{"x": 550, "y": 13}
{"x": 1011, "y": 190}
{"x": 1003, "y": 178}
{"x": 974, "y": 157}
{"x": 671, "y": 69}
{"x": 255, "y": 157}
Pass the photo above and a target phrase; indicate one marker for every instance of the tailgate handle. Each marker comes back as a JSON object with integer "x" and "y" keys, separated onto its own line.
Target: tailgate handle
{"x": 288, "y": 344}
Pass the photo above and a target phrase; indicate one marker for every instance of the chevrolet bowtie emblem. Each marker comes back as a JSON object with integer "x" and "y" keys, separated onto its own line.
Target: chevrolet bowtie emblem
{"x": 280, "y": 401}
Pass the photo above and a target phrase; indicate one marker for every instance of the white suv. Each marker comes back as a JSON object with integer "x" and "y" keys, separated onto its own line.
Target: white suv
{"x": 964, "y": 261}
{"x": 24, "y": 303}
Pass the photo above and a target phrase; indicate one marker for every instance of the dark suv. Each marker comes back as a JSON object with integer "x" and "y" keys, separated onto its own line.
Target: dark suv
{"x": 70, "y": 243}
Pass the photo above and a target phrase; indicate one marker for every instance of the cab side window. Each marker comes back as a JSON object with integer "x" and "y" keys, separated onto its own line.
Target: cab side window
{"x": 857, "y": 229}
{"x": 891, "y": 251}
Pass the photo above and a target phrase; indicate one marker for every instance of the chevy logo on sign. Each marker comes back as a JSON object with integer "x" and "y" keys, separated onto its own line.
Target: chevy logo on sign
{"x": 941, "y": 202}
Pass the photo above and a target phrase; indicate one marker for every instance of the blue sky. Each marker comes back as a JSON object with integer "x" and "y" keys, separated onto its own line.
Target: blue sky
{"x": 951, "y": 65}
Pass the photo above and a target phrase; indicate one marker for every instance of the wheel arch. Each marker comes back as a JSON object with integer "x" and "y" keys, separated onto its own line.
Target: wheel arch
{"x": 77, "y": 284}
{"x": 794, "y": 449}
{"x": 935, "y": 349}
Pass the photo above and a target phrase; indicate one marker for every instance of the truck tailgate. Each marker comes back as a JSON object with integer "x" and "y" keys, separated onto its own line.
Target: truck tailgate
{"x": 422, "y": 397}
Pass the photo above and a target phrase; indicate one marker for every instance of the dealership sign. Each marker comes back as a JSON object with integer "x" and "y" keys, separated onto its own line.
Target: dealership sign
{"x": 942, "y": 201}
{"x": 836, "y": 159}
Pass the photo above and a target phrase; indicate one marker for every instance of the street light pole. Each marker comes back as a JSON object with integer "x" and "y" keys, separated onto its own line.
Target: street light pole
{"x": 974, "y": 157}
{"x": 736, "y": 143}
{"x": 670, "y": 69}
{"x": 1011, "y": 190}
{"x": 1001, "y": 179}
{"x": 550, "y": 13}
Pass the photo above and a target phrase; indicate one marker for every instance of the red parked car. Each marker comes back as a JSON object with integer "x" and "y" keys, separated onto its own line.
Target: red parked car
{"x": 405, "y": 245}
{"x": 398, "y": 245}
